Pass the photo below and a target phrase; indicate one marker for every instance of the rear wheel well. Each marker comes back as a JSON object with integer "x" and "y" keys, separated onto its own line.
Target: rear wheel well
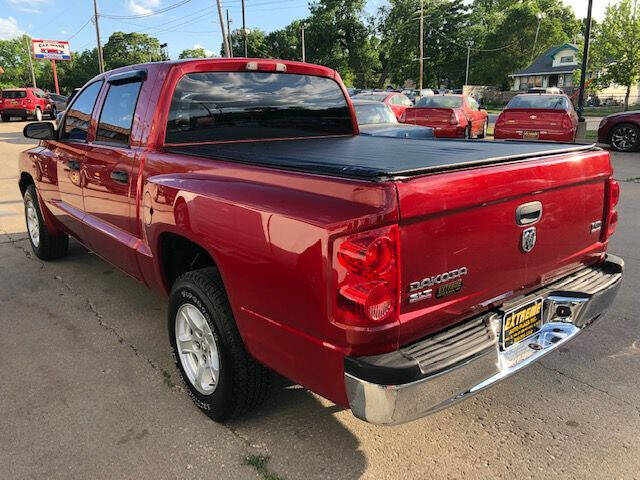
{"x": 179, "y": 255}
{"x": 25, "y": 180}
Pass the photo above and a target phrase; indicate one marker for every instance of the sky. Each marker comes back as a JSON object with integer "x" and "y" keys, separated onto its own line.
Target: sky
{"x": 193, "y": 24}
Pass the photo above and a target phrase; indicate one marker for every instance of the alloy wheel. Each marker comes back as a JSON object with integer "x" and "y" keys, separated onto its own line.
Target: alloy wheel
{"x": 33, "y": 224}
{"x": 624, "y": 138}
{"x": 197, "y": 349}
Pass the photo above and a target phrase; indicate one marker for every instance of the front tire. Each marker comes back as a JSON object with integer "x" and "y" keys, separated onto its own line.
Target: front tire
{"x": 625, "y": 137}
{"x": 485, "y": 127}
{"x": 221, "y": 377}
{"x": 467, "y": 132}
{"x": 6, "y": 118}
{"x": 53, "y": 113}
{"x": 38, "y": 114}
{"x": 45, "y": 245}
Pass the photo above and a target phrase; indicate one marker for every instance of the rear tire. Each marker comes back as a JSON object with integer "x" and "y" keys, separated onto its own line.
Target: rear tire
{"x": 45, "y": 245}
{"x": 53, "y": 113}
{"x": 211, "y": 339}
{"x": 38, "y": 114}
{"x": 467, "y": 132}
{"x": 6, "y": 118}
{"x": 625, "y": 137}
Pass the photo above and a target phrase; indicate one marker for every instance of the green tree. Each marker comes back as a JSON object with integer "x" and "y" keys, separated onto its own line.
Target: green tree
{"x": 193, "y": 53}
{"x": 130, "y": 48}
{"x": 14, "y": 59}
{"x": 286, "y": 43}
{"x": 615, "y": 53}
{"x": 256, "y": 45}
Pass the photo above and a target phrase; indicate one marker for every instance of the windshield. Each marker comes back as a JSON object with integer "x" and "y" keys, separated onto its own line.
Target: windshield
{"x": 14, "y": 94}
{"x": 376, "y": 97}
{"x": 444, "y": 101}
{"x": 372, "y": 113}
{"x": 552, "y": 102}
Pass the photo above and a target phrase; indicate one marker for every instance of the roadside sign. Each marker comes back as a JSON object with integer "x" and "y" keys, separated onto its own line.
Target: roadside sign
{"x": 51, "y": 49}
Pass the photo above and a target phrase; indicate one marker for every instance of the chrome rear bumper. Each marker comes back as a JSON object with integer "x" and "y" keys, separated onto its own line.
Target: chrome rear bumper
{"x": 450, "y": 366}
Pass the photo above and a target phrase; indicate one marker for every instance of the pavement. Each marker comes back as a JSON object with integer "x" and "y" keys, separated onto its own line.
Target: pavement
{"x": 89, "y": 389}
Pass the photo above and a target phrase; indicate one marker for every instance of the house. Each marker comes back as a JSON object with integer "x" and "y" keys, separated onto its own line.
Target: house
{"x": 554, "y": 68}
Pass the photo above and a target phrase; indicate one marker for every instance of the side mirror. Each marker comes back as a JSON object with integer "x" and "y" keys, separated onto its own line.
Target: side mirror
{"x": 39, "y": 131}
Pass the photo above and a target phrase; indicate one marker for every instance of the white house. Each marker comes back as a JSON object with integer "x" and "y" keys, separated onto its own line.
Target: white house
{"x": 554, "y": 68}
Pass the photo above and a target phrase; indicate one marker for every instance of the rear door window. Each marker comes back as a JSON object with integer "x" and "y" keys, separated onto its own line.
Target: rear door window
{"x": 116, "y": 117}
{"x": 78, "y": 117}
{"x": 224, "y": 106}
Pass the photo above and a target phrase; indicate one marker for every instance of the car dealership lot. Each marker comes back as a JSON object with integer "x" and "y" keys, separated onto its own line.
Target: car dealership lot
{"x": 89, "y": 389}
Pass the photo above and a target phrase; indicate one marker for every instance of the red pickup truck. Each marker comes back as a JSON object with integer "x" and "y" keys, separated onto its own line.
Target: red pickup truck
{"x": 392, "y": 276}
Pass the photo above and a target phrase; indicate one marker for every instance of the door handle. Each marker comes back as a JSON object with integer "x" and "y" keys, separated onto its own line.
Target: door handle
{"x": 73, "y": 165}
{"x": 120, "y": 176}
{"x": 528, "y": 213}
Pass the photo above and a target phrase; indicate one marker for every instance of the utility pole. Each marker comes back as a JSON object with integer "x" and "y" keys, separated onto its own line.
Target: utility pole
{"x": 244, "y": 32}
{"x": 466, "y": 76}
{"x": 583, "y": 74}
{"x": 30, "y": 54}
{"x": 540, "y": 16}
{"x": 304, "y": 53}
{"x": 421, "y": 44}
{"x": 95, "y": 20}
{"x": 225, "y": 39}
{"x": 229, "y": 38}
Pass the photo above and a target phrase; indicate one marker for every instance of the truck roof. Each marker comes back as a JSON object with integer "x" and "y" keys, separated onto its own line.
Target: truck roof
{"x": 375, "y": 158}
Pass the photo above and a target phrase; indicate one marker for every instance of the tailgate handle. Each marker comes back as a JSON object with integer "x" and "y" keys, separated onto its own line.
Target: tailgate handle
{"x": 528, "y": 213}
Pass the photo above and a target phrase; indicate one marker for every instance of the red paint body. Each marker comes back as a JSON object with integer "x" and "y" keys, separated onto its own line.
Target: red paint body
{"x": 24, "y": 107}
{"x": 547, "y": 124}
{"x": 398, "y": 102}
{"x": 274, "y": 233}
{"x": 443, "y": 122}
{"x": 609, "y": 122}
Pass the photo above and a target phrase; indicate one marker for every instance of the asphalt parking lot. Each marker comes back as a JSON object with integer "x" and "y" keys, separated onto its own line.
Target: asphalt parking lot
{"x": 89, "y": 389}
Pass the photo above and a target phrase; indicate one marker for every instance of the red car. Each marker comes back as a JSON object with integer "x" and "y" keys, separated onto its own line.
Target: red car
{"x": 535, "y": 116}
{"x": 398, "y": 102}
{"x": 24, "y": 103}
{"x": 382, "y": 273}
{"x": 451, "y": 116}
{"x": 621, "y": 131}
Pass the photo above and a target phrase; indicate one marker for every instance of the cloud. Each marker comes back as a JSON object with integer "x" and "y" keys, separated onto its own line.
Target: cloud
{"x": 9, "y": 28}
{"x": 209, "y": 53}
{"x": 30, "y": 10}
{"x": 28, "y": 2}
{"x": 63, "y": 32}
{"x": 141, "y": 7}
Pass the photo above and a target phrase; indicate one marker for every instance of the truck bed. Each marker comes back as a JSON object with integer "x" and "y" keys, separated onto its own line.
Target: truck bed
{"x": 372, "y": 158}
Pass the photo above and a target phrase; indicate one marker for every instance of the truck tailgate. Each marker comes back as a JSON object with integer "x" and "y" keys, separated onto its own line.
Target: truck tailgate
{"x": 460, "y": 239}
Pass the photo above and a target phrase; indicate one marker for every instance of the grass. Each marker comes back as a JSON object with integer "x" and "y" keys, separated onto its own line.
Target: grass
{"x": 591, "y": 135}
{"x": 259, "y": 463}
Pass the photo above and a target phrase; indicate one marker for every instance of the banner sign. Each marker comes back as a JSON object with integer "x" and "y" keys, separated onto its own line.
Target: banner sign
{"x": 51, "y": 49}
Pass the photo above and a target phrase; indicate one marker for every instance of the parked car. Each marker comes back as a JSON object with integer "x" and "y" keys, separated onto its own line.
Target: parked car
{"x": 59, "y": 102}
{"x": 452, "y": 116}
{"x": 621, "y": 131}
{"x": 398, "y": 102}
{"x": 552, "y": 90}
{"x": 416, "y": 94}
{"x": 377, "y": 119}
{"x": 25, "y": 103}
{"x": 392, "y": 277}
{"x": 534, "y": 116}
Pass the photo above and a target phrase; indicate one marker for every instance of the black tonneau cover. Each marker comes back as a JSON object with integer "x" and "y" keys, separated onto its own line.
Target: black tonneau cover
{"x": 375, "y": 158}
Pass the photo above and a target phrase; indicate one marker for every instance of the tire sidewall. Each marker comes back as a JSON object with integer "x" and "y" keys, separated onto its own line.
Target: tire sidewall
{"x": 216, "y": 404}
{"x": 38, "y": 114}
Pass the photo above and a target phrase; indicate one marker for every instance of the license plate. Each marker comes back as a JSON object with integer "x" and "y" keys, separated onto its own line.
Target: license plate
{"x": 521, "y": 322}
{"x": 530, "y": 135}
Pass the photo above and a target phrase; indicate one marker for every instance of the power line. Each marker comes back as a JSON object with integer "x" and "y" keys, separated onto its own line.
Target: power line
{"x": 81, "y": 28}
{"x": 148, "y": 14}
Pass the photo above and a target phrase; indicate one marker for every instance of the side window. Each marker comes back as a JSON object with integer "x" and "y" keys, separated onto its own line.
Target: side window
{"x": 473, "y": 105}
{"x": 78, "y": 117}
{"x": 396, "y": 100}
{"x": 117, "y": 113}
{"x": 406, "y": 101}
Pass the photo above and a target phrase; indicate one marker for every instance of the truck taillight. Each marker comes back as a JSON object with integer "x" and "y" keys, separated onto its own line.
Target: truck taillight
{"x": 453, "y": 119}
{"x": 613, "y": 197}
{"x": 366, "y": 267}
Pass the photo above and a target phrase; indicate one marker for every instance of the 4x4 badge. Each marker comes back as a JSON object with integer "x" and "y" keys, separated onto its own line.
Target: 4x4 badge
{"x": 528, "y": 239}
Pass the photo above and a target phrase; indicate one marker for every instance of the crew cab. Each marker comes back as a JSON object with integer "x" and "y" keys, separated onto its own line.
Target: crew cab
{"x": 451, "y": 116}
{"x": 392, "y": 276}
{"x": 24, "y": 103}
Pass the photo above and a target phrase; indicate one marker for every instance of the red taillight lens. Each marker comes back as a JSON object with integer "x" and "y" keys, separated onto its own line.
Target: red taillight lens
{"x": 367, "y": 255}
{"x": 28, "y": 100}
{"x": 453, "y": 119}
{"x": 366, "y": 273}
{"x": 613, "y": 197}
